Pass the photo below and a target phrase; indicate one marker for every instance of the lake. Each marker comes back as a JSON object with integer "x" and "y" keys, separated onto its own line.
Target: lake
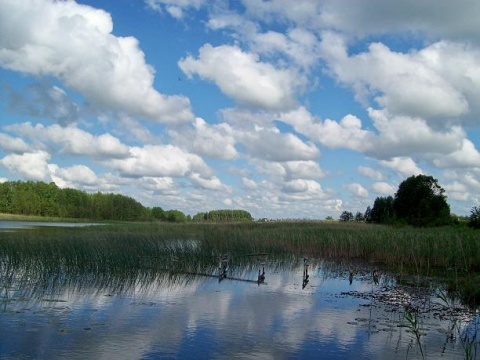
{"x": 7, "y": 225}
{"x": 299, "y": 310}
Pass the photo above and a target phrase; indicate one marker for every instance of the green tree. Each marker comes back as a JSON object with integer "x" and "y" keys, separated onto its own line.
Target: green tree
{"x": 201, "y": 216}
{"x": 224, "y": 215}
{"x": 367, "y": 216}
{"x": 46, "y": 199}
{"x": 474, "y": 218}
{"x": 175, "y": 216}
{"x": 382, "y": 211}
{"x": 346, "y": 216}
{"x": 359, "y": 216}
{"x": 420, "y": 201}
{"x": 74, "y": 204}
{"x": 158, "y": 213}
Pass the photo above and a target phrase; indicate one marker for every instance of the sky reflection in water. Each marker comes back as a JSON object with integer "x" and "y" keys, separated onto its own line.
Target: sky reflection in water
{"x": 6, "y": 225}
{"x": 200, "y": 317}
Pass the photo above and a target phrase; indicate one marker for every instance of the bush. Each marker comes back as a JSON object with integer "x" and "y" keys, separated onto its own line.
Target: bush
{"x": 474, "y": 219}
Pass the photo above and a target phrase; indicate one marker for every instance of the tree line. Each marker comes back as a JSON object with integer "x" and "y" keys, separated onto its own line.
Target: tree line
{"x": 47, "y": 199}
{"x": 419, "y": 201}
{"x": 223, "y": 215}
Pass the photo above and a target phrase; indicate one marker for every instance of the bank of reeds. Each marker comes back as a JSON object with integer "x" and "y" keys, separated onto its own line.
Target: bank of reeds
{"x": 423, "y": 250}
{"x": 123, "y": 248}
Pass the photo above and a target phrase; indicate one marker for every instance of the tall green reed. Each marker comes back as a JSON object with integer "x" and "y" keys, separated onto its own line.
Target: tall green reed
{"x": 123, "y": 248}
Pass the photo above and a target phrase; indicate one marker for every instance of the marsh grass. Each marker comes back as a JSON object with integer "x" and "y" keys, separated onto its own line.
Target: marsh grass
{"x": 413, "y": 325}
{"x": 422, "y": 250}
{"x": 468, "y": 335}
{"x": 127, "y": 248}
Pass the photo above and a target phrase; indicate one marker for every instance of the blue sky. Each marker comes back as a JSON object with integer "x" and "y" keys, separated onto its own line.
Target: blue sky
{"x": 286, "y": 109}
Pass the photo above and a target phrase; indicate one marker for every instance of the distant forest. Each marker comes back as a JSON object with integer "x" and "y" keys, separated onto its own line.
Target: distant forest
{"x": 47, "y": 199}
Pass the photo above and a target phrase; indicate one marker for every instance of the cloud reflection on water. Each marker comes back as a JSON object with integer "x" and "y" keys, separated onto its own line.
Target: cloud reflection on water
{"x": 188, "y": 316}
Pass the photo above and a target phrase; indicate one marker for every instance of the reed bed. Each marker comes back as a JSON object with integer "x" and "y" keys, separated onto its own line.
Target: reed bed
{"x": 422, "y": 250}
{"x": 134, "y": 250}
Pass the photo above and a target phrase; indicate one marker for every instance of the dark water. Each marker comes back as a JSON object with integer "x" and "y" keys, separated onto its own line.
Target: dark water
{"x": 204, "y": 316}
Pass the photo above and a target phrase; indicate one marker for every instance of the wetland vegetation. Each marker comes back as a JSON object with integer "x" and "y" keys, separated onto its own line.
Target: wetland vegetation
{"x": 40, "y": 267}
{"x": 449, "y": 253}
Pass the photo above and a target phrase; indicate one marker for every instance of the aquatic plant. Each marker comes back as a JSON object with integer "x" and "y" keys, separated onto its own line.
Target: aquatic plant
{"x": 450, "y": 252}
{"x": 413, "y": 325}
{"x": 468, "y": 335}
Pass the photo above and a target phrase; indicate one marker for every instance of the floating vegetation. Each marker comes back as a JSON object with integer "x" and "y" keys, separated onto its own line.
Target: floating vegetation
{"x": 418, "y": 300}
{"x": 416, "y": 303}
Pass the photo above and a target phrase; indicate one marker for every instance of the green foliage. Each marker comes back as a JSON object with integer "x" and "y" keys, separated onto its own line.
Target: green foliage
{"x": 30, "y": 197}
{"x": 157, "y": 213}
{"x": 175, "y": 216}
{"x": 201, "y": 216}
{"x": 223, "y": 215}
{"x": 346, "y": 216}
{"x": 359, "y": 216}
{"x": 382, "y": 211}
{"x": 368, "y": 214}
{"x": 42, "y": 199}
{"x": 116, "y": 207}
{"x": 76, "y": 204}
{"x": 414, "y": 326}
{"x": 420, "y": 201}
{"x": 474, "y": 219}
{"x": 48, "y": 200}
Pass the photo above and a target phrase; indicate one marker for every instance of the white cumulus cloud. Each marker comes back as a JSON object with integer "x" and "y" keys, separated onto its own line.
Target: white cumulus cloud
{"x": 159, "y": 161}
{"x": 75, "y": 44}
{"x": 383, "y": 188}
{"x": 13, "y": 144}
{"x": 357, "y": 190}
{"x": 347, "y": 133}
{"x": 176, "y": 8}
{"x": 465, "y": 157}
{"x": 370, "y": 173}
{"x": 411, "y": 83}
{"x": 216, "y": 141}
{"x": 32, "y": 165}
{"x": 242, "y": 76}
{"x": 73, "y": 176}
{"x": 404, "y": 166}
{"x": 72, "y": 140}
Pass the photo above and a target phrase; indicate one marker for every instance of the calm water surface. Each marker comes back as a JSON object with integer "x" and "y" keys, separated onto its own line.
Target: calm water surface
{"x": 200, "y": 317}
{"x": 15, "y": 225}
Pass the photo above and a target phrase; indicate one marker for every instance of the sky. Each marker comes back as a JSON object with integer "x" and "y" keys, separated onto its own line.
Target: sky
{"x": 287, "y": 109}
